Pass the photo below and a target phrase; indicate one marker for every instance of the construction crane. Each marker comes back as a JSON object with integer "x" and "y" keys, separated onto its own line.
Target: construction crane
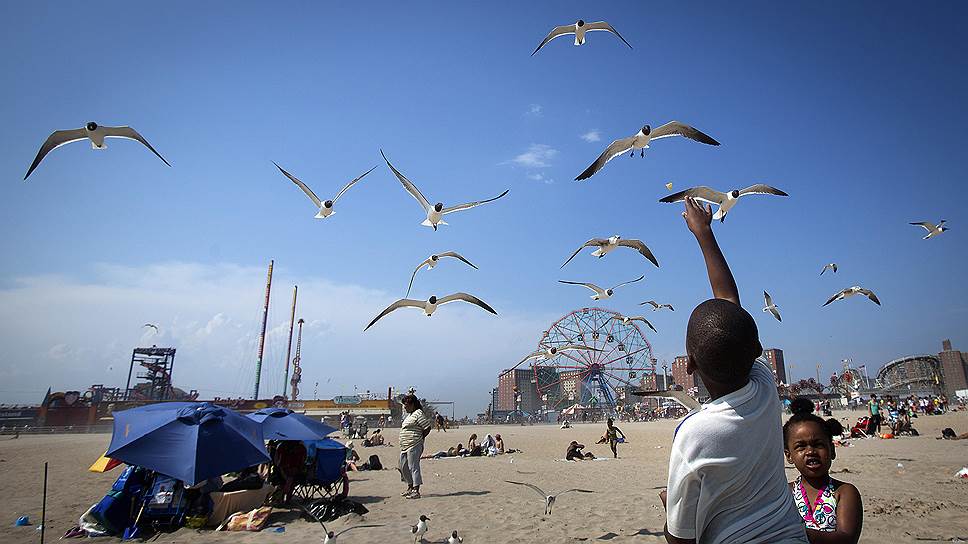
{"x": 296, "y": 371}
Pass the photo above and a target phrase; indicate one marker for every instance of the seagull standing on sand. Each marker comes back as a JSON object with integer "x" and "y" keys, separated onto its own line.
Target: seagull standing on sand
{"x": 641, "y": 141}
{"x": 420, "y": 529}
{"x": 725, "y": 201}
{"x": 933, "y": 230}
{"x": 325, "y": 208}
{"x": 851, "y": 291}
{"x": 454, "y": 539}
{"x": 579, "y": 29}
{"x": 549, "y": 499}
{"x": 656, "y": 306}
{"x": 436, "y": 212}
{"x": 606, "y": 245}
{"x": 830, "y": 266}
{"x": 626, "y": 320}
{"x": 93, "y": 132}
{"x": 431, "y": 262}
{"x": 430, "y": 305}
{"x": 770, "y": 307}
{"x": 601, "y": 294}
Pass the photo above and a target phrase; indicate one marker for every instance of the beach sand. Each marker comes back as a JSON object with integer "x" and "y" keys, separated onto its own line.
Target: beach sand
{"x": 921, "y": 500}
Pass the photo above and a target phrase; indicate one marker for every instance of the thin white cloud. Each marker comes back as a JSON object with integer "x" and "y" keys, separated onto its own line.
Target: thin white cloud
{"x": 593, "y": 135}
{"x": 71, "y": 333}
{"x": 534, "y": 110}
{"x": 537, "y": 156}
{"x": 538, "y": 176}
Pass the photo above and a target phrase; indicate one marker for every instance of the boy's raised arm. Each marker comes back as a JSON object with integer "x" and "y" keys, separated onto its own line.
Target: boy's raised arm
{"x": 698, "y": 220}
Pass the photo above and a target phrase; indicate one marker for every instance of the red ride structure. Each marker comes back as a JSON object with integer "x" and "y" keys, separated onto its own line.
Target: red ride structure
{"x": 594, "y": 379}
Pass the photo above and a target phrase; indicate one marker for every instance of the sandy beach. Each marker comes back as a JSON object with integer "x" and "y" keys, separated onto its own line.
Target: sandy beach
{"x": 920, "y": 500}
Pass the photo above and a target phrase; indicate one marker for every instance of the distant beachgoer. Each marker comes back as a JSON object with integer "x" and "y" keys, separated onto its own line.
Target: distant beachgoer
{"x": 565, "y": 424}
{"x": 611, "y": 436}
{"x": 376, "y": 439}
{"x": 472, "y": 446}
{"x": 575, "y": 452}
{"x": 489, "y": 446}
{"x": 414, "y": 429}
{"x": 441, "y": 423}
{"x": 874, "y": 408}
{"x": 352, "y": 458}
{"x": 499, "y": 443}
{"x": 831, "y": 509}
{"x": 290, "y": 459}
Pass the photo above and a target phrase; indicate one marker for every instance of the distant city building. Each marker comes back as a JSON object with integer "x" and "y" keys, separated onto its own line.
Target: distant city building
{"x": 571, "y": 386}
{"x": 522, "y": 379}
{"x": 656, "y": 382}
{"x": 679, "y": 375}
{"x": 954, "y": 369}
{"x": 775, "y": 357}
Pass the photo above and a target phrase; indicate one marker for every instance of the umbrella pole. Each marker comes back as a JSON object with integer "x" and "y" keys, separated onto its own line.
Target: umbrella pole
{"x": 43, "y": 508}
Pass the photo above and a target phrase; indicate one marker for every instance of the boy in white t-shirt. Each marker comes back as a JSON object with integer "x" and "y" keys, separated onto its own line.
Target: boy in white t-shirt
{"x": 726, "y": 479}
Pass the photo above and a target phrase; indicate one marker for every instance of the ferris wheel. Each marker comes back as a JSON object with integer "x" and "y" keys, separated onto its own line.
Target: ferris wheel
{"x": 622, "y": 356}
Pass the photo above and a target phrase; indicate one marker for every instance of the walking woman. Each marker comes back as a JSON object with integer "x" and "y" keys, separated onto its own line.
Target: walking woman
{"x": 415, "y": 427}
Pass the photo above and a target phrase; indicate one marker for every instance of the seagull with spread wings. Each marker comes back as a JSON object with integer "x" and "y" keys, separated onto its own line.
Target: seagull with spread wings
{"x": 656, "y": 306}
{"x": 549, "y": 499}
{"x": 430, "y": 305}
{"x": 627, "y": 319}
{"x": 606, "y": 245}
{"x": 153, "y": 326}
{"x": 550, "y": 353}
{"x": 829, "y": 266}
{"x": 641, "y": 141}
{"x": 93, "y": 132}
{"x": 933, "y": 230}
{"x": 325, "y": 207}
{"x": 436, "y": 212}
{"x": 602, "y": 294}
{"x": 725, "y": 201}
{"x": 431, "y": 262}
{"x": 579, "y": 29}
{"x": 770, "y": 306}
{"x": 851, "y": 291}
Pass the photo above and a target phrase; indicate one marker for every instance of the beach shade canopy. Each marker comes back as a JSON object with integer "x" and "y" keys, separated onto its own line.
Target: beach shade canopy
{"x": 284, "y": 424}
{"x": 104, "y": 464}
{"x": 189, "y": 441}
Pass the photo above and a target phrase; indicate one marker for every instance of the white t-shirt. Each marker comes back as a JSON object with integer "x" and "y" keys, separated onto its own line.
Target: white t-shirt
{"x": 412, "y": 429}
{"x": 726, "y": 479}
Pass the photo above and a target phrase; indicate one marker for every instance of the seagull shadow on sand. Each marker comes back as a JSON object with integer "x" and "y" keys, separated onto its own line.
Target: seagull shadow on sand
{"x": 458, "y": 494}
{"x": 646, "y": 532}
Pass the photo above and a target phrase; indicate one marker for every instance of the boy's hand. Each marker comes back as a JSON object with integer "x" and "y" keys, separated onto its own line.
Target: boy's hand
{"x": 697, "y": 218}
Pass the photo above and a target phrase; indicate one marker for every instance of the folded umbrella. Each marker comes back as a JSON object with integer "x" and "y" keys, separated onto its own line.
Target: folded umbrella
{"x": 284, "y": 424}
{"x": 190, "y": 441}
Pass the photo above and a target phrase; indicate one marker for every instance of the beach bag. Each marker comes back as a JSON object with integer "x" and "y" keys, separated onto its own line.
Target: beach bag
{"x": 113, "y": 512}
{"x": 948, "y": 432}
{"x": 374, "y": 462}
{"x": 254, "y": 520}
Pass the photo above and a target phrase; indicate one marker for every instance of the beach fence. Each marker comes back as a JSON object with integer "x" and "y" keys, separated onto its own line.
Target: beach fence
{"x": 61, "y": 429}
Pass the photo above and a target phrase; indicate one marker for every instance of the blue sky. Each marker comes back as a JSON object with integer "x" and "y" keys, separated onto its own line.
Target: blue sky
{"x": 856, "y": 110}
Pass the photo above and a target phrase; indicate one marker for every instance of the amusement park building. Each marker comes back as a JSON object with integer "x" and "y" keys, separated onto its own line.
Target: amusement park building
{"x": 954, "y": 369}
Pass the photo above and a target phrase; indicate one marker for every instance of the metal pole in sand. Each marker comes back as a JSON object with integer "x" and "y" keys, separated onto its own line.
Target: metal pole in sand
{"x": 43, "y": 509}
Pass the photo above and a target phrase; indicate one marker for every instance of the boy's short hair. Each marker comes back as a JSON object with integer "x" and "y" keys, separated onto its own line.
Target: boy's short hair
{"x": 722, "y": 341}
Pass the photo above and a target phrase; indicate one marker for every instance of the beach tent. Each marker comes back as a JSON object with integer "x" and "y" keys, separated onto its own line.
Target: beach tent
{"x": 284, "y": 424}
{"x": 189, "y": 441}
{"x": 573, "y": 409}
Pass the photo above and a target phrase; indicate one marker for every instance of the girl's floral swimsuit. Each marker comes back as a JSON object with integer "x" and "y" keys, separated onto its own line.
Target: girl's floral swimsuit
{"x": 820, "y": 515}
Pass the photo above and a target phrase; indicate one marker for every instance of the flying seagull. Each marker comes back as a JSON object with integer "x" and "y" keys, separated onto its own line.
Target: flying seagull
{"x": 830, "y": 266}
{"x": 93, "y": 132}
{"x": 331, "y": 536}
{"x": 454, "y": 539}
{"x": 770, "y": 307}
{"x": 550, "y": 353}
{"x": 606, "y": 245}
{"x": 641, "y": 141}
{"x": 325, "y": 208}
{"x": 656, "y": 306}
{"x": 579, "y": 29}
{"x": 420, "y": 529}
{"x": 431, "y": 262}
{"x": 626, "y": 320}
{"x": 725, "y": 201}
{"x": 933, "y": 230}
{"x": 430, "y": 305}
{"x": 601, "y": 294}
{"x": 548, "y": 498}
{"x": 435, "y": 212}
{"x": 851, "y": 291}
{"x": 153, "y": 326}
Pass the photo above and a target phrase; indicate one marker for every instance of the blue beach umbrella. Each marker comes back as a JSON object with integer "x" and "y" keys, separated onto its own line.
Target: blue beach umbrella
{"x": 190, "y": 441}
{"x": 284, "y": 424}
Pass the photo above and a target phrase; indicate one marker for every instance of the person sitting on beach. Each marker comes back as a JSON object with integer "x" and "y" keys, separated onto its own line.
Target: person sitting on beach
{"x": 473, "y": 447}
{"x": 352, "y": 458}
{"x": 565, "y": 424}
{"x": 489, "y": 446}
{"x": 831, "y": 509}
{"x": 499, "y": 443}
{"x": 376, "y": 439}
{"x": 574, "y": 452}
{"x": 726, "y": 479}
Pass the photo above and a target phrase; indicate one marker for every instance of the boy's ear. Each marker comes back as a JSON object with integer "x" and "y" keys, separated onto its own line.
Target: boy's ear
{"x": 690, "y": 364}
